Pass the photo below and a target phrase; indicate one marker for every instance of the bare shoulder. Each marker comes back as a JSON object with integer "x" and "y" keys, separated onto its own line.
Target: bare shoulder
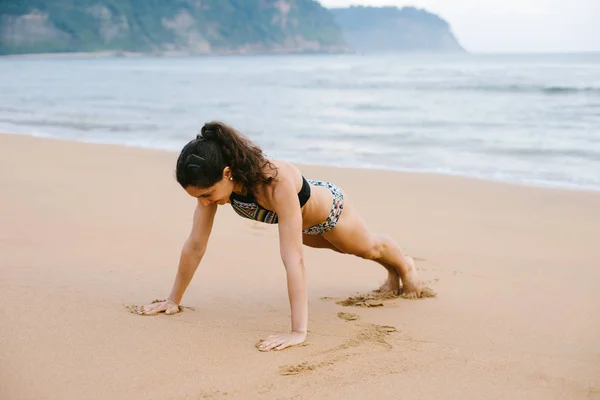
{"x": 287, "y": 178}
{"x": 286, "y": 170}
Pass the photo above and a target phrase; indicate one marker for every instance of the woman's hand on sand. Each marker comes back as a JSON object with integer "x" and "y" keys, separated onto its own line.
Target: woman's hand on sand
{"x": 281, "y": 341}
{"x": 168, "y": 307}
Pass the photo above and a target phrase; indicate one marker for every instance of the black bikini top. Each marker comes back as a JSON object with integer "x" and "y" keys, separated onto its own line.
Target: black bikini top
{"x": 247, "y": 206}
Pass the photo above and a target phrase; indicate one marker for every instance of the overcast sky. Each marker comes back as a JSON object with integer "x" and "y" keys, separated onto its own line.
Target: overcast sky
{"x": 511, "y": 25}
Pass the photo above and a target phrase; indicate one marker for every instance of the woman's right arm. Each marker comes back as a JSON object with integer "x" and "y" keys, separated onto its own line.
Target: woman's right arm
{"x": 193, "y": 249}
{"x": 191, "y": 254}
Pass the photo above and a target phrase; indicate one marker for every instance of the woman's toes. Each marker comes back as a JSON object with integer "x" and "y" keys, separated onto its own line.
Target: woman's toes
{"x": 410, "y": 295}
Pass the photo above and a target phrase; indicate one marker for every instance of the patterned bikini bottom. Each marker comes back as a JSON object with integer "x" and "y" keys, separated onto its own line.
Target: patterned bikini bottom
{"x": 334, "y": 214}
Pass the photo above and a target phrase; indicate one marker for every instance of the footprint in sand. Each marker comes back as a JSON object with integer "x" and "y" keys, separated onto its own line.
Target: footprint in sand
{"x": 346, "y": 316}
{"x": 377, "y": 299}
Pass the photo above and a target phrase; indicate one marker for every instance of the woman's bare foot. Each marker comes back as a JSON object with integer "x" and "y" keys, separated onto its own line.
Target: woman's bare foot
{"x": 411, "y": 283}
{"x": 392, "y": 284}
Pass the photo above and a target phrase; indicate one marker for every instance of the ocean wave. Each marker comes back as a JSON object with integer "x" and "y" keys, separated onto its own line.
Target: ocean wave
{"x": 533, "y": 153}
{"x": 80, "y": 125}
{"x": 366, "y": 84}
{"x": 517, "y": 88}
{"x": 368, "y": 107}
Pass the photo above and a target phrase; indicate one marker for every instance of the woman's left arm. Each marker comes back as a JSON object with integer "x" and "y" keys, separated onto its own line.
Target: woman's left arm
{"x": 287, "y": 206}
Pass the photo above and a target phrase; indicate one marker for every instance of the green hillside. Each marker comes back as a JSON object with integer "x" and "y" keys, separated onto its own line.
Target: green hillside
{"x": 163, "y": 26}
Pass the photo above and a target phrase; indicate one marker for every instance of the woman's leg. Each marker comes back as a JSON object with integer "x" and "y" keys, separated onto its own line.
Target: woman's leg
{"x": 318, "y": 242}
{"x": 352, "y": 236}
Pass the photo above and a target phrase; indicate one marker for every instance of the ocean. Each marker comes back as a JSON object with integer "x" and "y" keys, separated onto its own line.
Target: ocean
{"x": 527, "y": 119}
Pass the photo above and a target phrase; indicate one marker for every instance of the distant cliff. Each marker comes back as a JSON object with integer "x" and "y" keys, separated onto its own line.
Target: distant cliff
{"x": 167, "y": 26}
{"x": 392, "y": 29}
{"x": 215, "y": 27}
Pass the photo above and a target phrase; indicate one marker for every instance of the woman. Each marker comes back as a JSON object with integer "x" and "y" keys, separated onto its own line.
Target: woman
{"x": 222, "y": 166}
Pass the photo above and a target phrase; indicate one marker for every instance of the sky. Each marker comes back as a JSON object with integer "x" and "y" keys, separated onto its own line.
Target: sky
{"x": 505, "y": 26}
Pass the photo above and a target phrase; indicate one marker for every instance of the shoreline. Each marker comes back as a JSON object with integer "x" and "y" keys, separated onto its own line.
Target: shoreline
{"x": 538, "y": 185}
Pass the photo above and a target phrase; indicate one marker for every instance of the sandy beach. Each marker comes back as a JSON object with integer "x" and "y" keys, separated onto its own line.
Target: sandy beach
{"x": 87, "y": 230}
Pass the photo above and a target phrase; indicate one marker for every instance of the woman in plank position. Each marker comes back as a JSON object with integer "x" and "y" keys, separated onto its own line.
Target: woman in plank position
{"x": 222, "y": 166}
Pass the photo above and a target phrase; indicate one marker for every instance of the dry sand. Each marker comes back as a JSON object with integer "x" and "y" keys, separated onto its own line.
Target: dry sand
{"x": 88, "y": 230}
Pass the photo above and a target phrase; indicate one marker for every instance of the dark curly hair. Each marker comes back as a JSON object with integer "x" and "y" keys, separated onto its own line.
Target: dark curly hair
{"x": 202, "y": 160}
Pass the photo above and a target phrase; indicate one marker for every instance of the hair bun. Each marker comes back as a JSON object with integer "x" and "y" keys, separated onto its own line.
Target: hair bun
{"x": 209, "y": 132}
